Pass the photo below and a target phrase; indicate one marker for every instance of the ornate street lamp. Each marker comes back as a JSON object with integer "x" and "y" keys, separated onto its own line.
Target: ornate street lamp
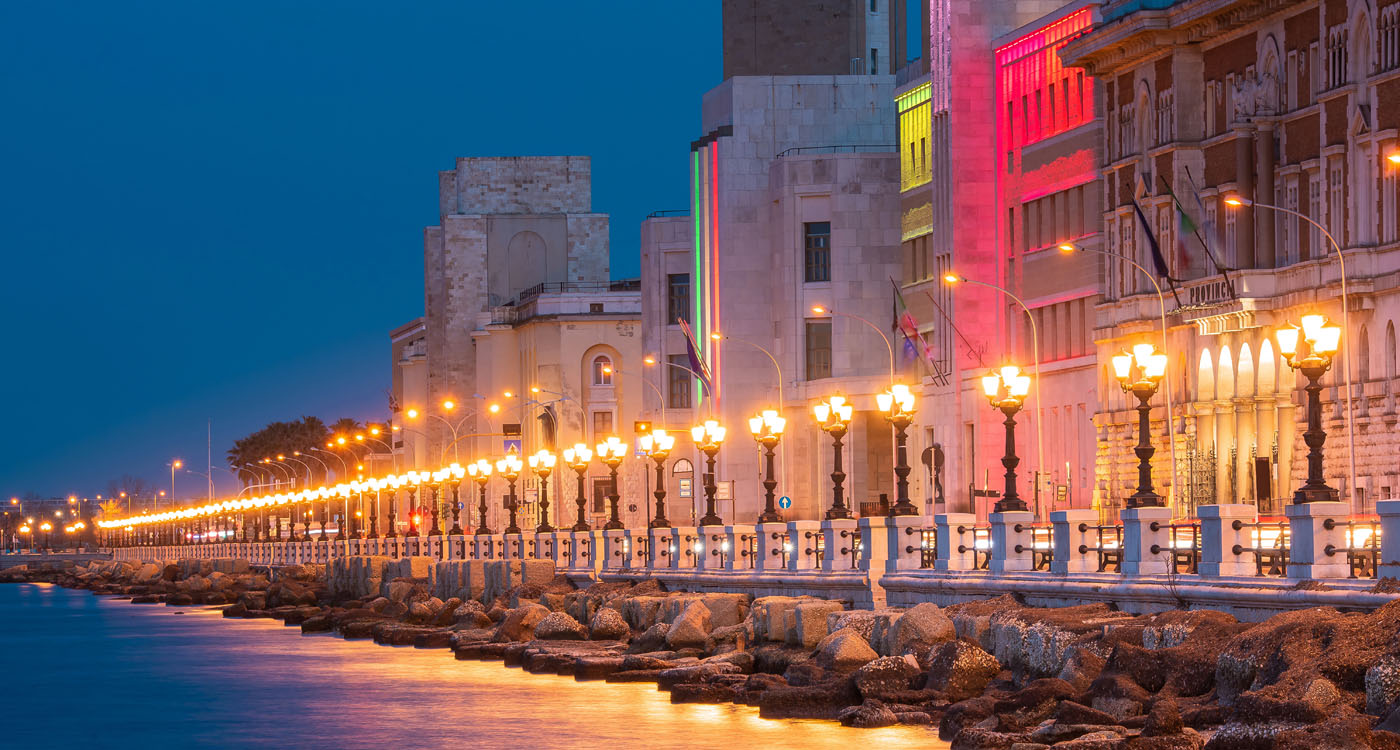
{"x": 480, "y": 472}
{"x": 708, "y": 438}
{"x": 509, "y": 467}
{"x": 767, "y": 430}
{"x": 657, "y": 446}
{"x": 578, "y": 458}
{"x": 611, "y": 453}
{"x": 542, "y": 463}
{"x": 326, "y": 494}
{"x": 1140, "y": 373}
{"x": 834, "y": 416}
{"x": 898, "y": 406}
{"x": 1312, "y": 355}
{"x": 437, "y": 478}
{"x": 1006, "y": 391}
{"x": 415, "y": 478}
{"x": 456, "y": 473}
{"x": 344, "y": 491}
{"x": 374, "y": 483}
{"x": 394, "y": 481}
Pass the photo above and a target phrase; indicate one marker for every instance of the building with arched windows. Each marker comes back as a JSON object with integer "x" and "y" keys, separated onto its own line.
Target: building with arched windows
{"x": 522, "y": 332}
{"x": 1294, "y": 108}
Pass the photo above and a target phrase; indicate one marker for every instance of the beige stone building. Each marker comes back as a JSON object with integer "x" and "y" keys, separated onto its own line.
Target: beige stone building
{"x": 521, "y": 325}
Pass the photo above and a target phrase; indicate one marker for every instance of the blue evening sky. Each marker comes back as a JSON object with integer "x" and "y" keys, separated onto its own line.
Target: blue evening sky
{"x": 214, "y": 210}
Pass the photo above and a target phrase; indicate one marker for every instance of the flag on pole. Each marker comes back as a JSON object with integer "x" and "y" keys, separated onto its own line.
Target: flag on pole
{"x": 915, "y": 345}
{"x": 1186, "y": 228}
{"x": 697, "y": 362}
{"x": 1158, "y": 262}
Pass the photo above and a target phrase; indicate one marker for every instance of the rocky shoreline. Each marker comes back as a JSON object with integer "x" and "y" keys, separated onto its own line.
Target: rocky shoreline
{"x": 986, "y": 674}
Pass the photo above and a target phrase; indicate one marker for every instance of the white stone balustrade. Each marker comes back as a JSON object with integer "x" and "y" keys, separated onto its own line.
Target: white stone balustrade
{"x": 1389, "y": 512}
{"x": 772, "y": 546}
{"x": 710, "y": 548}
{"x": 803, "y": 536}
{"x": 681, "y": 553}
{"x": 1318, "y": 540}
{"x": 1146, "y": 540}
{"x": 957, "y": 541}
{"x": 739, "y": 556}
{"x": 841, "y": 550}
{"x": 1072, "y": 538}
{"x": 1225, "y": 529}
{"x": 1012, "y": 541}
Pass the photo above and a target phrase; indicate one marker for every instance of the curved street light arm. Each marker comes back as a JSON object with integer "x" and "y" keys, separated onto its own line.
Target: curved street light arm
{"x": 888, "y": 345}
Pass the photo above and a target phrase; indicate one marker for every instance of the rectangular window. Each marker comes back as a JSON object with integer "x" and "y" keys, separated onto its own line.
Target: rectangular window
{"x": 816, "y": 239}
{"x": 818, "y": 349}
{"x": 1053, "y": 122}
{"x": 874, "y": 61}
{"x": 601, "y": 489}
{"x": 603, "y": 424}
{"x": 678, "y": 383}
{"x": 677, "y": 298}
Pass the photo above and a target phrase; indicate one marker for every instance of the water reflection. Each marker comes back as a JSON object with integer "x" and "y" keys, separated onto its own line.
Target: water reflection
{"x": 95, "y": 672}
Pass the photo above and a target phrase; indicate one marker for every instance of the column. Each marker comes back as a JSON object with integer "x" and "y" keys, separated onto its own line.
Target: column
{"x": 957, "y": 536}
{"x": 1246, "y": 438}
{"x": 1224, "y": 438}
{"x": 1146, "y": 541}
{"x": 1286, "y": 432}
{"x": 1389, "y": 511}
{"x": 1317, "y": 548}
{"x": 803, "y": 536}
{"x": 1264, "y": 220}
{"x": 1219, "y": 538}
{"x": 1070, "y": 540}
{"x": 1244, "y": 181}
{"x": 1011, "y": 541}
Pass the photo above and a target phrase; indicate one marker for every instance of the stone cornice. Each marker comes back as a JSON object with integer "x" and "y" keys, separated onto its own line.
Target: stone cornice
{"x": 1143, "y": 34}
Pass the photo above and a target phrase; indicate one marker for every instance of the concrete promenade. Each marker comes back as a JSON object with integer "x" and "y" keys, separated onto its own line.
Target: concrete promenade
{"x": 1226, "y": 560}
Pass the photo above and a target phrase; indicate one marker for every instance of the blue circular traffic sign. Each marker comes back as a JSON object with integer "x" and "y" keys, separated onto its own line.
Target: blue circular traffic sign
{"x": 785, "y": 502}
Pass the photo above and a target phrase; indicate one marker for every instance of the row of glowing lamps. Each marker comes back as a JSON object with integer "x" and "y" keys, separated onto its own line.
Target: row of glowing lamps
{"x": 710, "y": 434}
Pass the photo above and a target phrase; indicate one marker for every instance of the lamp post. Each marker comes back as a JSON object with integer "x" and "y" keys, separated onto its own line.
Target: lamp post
{"x": 834, "y": 416}
{"x": 435, "y": 484}
{"x": 1006, "y": 391}
{"x": 767, "y": 430}
{"x": 1236, "y": 201}
{"x": 175, "y": 465}
{"x": 542, "y": 463}
{"x": 1139, "y": 373}
{"x": 1312, "y": 355}
{"x": 415, "y": 479}
{"x": 457, "y": 473}
{"x": 610, "y": 453}
{"x": 395, "y": 481}
{"x": 509, "y": 467}
{"x": 657, "y": 446}
{"x": 480, "y": 472}
{"x": 578, "y": 458}
{"x": 898, "y": 406}
{"x": 708, "y": 438}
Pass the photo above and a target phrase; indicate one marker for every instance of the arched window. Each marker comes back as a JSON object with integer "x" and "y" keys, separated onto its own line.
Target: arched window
{"x": 1389, "y": 353}
{"x": 602, "y": 370}
{"x": 1268, "y": 368}
{"x": 1205, "y": 378}
{"x": 1363, "y": 356}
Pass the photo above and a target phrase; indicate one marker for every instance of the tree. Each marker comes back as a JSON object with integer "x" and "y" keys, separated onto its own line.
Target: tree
{"x": 136, "y": 488}
{"x": 278, "y": 438}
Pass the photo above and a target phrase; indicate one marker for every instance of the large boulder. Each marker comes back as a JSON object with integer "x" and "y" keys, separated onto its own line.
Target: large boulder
{"x": 519, "y": 623}
{"x": 652, "y": 639}
{"x": 918, "y": 630}
{"x": 559, "y": 626}
{"x": 868, "y": 715}
{"x": 691, "y": 628}
{"x": 844, "y": 650}
{"x": 608, "y": 625}
{"x": 886, "y": 675}
{"x": 961, "y": 670}
{"x": 1383, "y": 686}
{"x": 773, "y": 615}
{"x": 809, "y": 622}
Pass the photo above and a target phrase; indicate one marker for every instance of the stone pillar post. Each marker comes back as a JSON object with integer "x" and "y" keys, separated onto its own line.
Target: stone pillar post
{"x": 956, "y": 536}
{"x": 659, "y": 548}
{"x": 1315, "y": 550}
{"x": 1224, "y": 439}
{"x": 874, "y": 545}
{"x": 1246, "y": 438}
{"x": 906, "y": 543}
{"x": 804, "y": 535}
{"x": 738, "y": 556}
{"x": 435, "y": 547}
{"x": 637, "y": 542}
{"x": 711, "y": 553}
{"x": 771, "y": 541}
{"x": 1219, "y": 538}
{"x": 683, "y": 553}
{"x": 1286, "y": 431}
{"x": 840, "y": 553}
{"x": 614, "y": 549}
{"x": 1071, "y": 543}
{"x": 1146, "y": 540}
{"x": 1389, "y": 511}
{"x": 1011, "y": 541}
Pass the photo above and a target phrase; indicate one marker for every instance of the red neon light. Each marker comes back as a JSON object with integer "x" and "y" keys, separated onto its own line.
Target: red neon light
{"x": 714, "y": 263}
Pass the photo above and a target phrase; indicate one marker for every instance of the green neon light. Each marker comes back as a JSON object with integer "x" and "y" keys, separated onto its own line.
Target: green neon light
{"x": 697, "y": 280}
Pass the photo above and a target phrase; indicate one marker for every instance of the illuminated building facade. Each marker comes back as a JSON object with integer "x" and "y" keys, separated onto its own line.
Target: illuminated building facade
{"x": 1289, "y": 104}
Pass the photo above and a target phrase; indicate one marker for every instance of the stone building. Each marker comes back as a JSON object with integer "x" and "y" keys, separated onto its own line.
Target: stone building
{"x": 813, "y": 37}
{"x": 794, "y": 206}
{"x": 998, "y": 157}
{"x": 521, "y": 325}
{"x": 1296, "y": 105}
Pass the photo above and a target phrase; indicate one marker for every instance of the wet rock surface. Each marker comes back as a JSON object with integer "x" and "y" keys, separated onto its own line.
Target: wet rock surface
{"x": 984, "y": 674}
